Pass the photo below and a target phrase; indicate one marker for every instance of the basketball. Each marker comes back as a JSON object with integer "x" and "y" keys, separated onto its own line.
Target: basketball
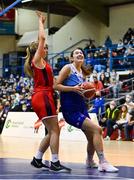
{"x": 88, "y": 89}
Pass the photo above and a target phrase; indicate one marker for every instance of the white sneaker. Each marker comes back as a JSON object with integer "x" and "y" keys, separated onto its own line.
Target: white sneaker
{"x": 115, "y": 126}
{"x": 118, "y": 139}
{"x": 107, "y": 138}
{"x": 106, "y": 167}
{"x": 91, "y": 164}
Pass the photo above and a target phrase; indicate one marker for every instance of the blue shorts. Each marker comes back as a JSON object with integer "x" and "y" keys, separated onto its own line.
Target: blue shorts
{"x": 76, "y": 118}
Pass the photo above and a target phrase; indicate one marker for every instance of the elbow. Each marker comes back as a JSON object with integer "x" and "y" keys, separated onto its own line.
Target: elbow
{"x": 55, "y": 86}
{"x": 41, "y": 38}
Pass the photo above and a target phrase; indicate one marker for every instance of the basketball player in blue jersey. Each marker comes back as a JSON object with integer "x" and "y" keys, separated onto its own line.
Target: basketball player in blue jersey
{"x": 75, "y": 111}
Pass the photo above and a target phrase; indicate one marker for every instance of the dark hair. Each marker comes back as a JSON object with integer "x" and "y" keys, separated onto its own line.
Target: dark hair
{"x": 125, "y": 107}
{"x": 95, "y": 77}
{"x": 71, "y": 55}
{"x": 131, "y": 112}
{"x": 87, "y": 70}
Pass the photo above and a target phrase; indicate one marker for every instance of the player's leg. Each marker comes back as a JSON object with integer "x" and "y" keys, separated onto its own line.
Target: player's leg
{"x": 89, "y": 127}
{"x": 53, "y": 130}
{"x": 37, "y": 159}
{"x": 90, "y": 152}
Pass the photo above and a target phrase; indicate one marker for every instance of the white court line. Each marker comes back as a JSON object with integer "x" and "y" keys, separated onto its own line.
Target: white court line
{"x": 67, "y": 175}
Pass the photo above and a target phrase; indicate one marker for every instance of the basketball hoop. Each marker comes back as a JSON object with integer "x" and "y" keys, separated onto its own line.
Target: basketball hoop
{"x": 12, "y": 6}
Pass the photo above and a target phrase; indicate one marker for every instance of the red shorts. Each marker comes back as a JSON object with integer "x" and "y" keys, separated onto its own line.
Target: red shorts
{"x": 43, "y": 104}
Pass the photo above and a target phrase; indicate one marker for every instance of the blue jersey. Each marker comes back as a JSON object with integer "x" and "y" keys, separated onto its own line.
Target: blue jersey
{"x": 72, "y": 101}
{"x": 98, "y": 105}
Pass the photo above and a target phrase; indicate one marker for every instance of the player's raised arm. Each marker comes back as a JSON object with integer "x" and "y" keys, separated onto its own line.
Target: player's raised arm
{"x": 40, "y": 53}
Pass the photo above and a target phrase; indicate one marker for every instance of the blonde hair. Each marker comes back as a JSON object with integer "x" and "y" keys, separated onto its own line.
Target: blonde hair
{"x": 30, "y": 54}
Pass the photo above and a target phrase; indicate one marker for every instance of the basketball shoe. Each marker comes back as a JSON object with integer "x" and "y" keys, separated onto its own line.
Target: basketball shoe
{"x": 106, "y": 167}
{"x": 38, "y": 164}
{"x": 57, "y": 167}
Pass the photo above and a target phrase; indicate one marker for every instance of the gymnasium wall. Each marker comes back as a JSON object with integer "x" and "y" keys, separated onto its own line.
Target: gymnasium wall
{"x": 85, "y": 26}
{"x": 27, "y": 20}
{"x": 7, "y": 44}
{"x": 121, "y": 18}
{"x": 82, "y": 26}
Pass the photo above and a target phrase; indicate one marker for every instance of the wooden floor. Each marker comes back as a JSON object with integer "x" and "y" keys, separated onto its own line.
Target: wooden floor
{"x": 119, "y": 153}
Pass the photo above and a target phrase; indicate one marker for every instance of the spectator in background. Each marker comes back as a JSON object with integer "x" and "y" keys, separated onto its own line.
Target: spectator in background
{"x": 18, "y": 106}
{"x": 90, "y": 59}
{"x": 120, "y": 48}
{"x": 131, "y": 74}
{"x": 108, "y": 42}
{"x": 129, "y": 126}
{"x": 97, "y": 84}
{"x": 110, "y": 118}
{"x": 128, "y": 36}
{"x": 129, "y": 53}
{"x": 103, "y": 79}
{"x": 129, "y": 102}
{"x": 4, "y": 112}
{"x": 114, "y": 75}
{"x": 115, "y": 85}
{"x": 90, "y": 47}
{"x": 122, "y": 120}
{"x": 130, "y": 82}
{"x": 107, "y": 75}
{"x": 98, "y": 105}
{"x": 61, "y": 61}
{"x": 114, "y": 88}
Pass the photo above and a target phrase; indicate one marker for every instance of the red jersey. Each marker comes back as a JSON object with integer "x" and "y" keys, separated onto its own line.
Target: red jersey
{"x": 43, "y": 78}
{"x": 98, "y": 85}
{"x": 42, "y": 98}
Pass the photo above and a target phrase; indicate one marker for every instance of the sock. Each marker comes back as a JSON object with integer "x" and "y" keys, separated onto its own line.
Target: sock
{"x": 101, "y": 157}
{"x": 46, "y": 162}
{"x": 119, "y": 133}
{"x": 39, "y": 155}
{"x": 89, "y": 157}
{"x": 55, "y": 157}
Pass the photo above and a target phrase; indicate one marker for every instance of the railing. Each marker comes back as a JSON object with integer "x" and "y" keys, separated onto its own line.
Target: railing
{"x": 125, "y": 87}
{"x": 128, "y": 60}
{"x": 121, "y": 95}
{"x": 67, "y": 51}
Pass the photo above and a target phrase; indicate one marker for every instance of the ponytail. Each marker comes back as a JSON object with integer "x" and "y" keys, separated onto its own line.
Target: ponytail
{"x": 27, "y": 65}
{"x": 87, "y": 70}
{"x": 30, "y": 54}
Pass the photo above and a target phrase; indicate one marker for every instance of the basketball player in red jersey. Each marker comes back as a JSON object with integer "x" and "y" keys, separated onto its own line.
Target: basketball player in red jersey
{"x": 42, "y": 99}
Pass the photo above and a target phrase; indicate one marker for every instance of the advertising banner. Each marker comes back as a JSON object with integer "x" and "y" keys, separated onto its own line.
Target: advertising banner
{"x": 21, "y": 124}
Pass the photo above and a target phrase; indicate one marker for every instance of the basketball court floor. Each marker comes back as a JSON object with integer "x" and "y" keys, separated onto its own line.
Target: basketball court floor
{"x": 16, "y": 154}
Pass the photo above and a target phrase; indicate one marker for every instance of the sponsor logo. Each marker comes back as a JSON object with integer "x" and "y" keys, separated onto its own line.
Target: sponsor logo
{"x": 8, "y": 123}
